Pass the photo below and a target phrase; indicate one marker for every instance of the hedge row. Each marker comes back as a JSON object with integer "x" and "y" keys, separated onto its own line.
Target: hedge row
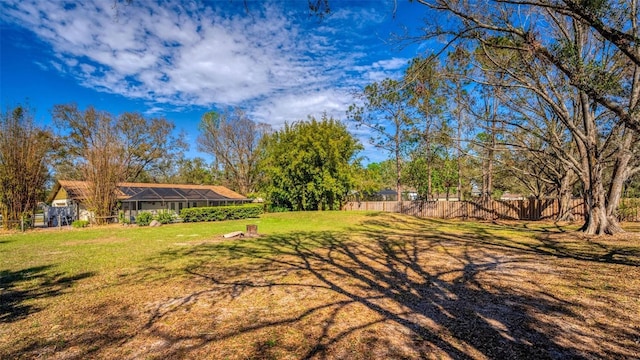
{"x": 219, "y": 213}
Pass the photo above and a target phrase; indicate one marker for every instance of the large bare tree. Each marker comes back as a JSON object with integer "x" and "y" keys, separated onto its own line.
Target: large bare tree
{"x": 105, "y": 150}
{"x": 94, "y": 149}
{"x": 24, "y": 150}
{"x": 539, "y": 28}
{"x": 590, "y": 47}
{"x": 233, "y": 139}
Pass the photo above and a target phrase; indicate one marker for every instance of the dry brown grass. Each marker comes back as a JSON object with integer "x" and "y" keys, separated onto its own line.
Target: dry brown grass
{"x": 391, "y": 287}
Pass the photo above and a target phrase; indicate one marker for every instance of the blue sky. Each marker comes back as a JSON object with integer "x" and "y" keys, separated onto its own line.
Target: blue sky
{"x": 180, "y": 59}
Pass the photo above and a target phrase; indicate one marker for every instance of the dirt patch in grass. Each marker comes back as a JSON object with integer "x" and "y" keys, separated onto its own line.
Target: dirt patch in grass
{"x": 391, "y": 287}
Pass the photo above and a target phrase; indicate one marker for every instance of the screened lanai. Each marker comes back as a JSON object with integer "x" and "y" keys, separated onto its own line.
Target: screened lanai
{"x": 136, "y": 197}
{"x": 171, "y": 194}
{"x": 158, "y": 197}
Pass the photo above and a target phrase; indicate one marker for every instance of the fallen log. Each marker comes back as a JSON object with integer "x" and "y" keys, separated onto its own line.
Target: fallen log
{"x": 233, "y": 234}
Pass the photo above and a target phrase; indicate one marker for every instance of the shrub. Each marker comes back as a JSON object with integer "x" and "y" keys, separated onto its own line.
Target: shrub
{"x": 122, "y": 218}
{"x": 144, "y": 218}
{"x": 276, "y": 209}
{"x": 628, "y": 209}
{"x": 27, "y": 221}
{"x": 165, "y": 217}
{"x": 220, "y": 213}
{"x": 80, "y": 224}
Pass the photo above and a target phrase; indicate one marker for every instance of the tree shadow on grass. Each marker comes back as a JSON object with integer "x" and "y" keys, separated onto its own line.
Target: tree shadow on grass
{"x": 552, "y": 241}
{"x": 439, "y": 298}
{"x": 390, "y": 288}
{"x": 570, "y": 246}
{"x": 19, "y": 288}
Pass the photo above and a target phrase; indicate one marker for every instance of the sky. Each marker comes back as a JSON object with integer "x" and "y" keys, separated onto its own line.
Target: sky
{"x": 179, "y": 60}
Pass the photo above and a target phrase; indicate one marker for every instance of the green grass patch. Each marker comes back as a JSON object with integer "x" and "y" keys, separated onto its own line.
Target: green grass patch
{"x": 117, "y": 247}
{"x": 317, "y": 284}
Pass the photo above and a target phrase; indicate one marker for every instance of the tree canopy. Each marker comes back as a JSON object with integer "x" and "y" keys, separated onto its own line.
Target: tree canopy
{"x": 24, "y": 160}
{"x": 309, "y": 165}
{"x": 105, "y": 150}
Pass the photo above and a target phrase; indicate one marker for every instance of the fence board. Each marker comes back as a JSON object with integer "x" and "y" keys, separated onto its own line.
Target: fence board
{"x": 529, "y": 209}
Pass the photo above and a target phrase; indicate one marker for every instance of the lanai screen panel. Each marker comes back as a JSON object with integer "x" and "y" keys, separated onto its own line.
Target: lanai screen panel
{"x": 170, "y": 194}
{"x": 201, "y": 194}
{"x": 157, "y": 194}
{"x": 131, "y": 190}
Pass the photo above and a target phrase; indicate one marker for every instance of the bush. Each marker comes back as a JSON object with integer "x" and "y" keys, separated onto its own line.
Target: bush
{"x": 80, "y": 224}
{"x": 220, "y": 213}
{"x": 628, "y": 209}
{"x": 165, "y": 217}
{"x": 276, "y": 209}
{"x": 144, "y": 218}
{"x": 123, "y": 219}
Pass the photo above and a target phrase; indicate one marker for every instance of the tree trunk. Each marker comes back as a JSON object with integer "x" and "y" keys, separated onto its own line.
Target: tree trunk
{"x": 459, "y": 186}
{"x": 565, "y": 195}
{"x": 620, "y": 175}
{"x": 487, "y": 181}
{"x": 492, "y": 149}
{"x": 597, "y": 221}
{"x": 459, "y": 144}
{"x": 398, "y": 174}
{"x": 429, "y": 185}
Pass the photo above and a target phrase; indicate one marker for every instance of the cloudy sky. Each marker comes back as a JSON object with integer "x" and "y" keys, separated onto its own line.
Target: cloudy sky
{"x": 181, "y": 59}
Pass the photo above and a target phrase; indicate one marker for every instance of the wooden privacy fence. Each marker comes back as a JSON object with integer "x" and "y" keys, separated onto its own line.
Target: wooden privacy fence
{"x": 530, "y": 209}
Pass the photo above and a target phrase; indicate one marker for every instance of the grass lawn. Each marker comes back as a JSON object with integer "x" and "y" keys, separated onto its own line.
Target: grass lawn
{"x": 321, "y": 285}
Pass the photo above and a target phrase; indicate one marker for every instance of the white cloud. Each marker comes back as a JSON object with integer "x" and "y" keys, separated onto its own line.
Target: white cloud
{"x": 391, "y": 64}
{"x": 87, "y": 69}
{"x": 181, "y": 55}
{"x": 294, "y": 107}
{"x": 40, "y": 65}
{"x": 154, "y": 110}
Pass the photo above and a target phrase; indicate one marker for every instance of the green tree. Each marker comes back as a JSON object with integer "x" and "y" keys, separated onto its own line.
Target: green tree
{"x": 24, "y": 156}
{"x": 424, "y": 80}
{"x": 195, "y": 171}
{"x": 456, "y": 85}
{"x": 373, "y": 178}
{"x": 441, "y": 179}
{"x": 310, "y": 165}
{"x": 386, "y": 112}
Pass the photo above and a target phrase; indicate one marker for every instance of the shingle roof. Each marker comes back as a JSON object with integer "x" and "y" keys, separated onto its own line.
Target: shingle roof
{"x": 152, "y": 192}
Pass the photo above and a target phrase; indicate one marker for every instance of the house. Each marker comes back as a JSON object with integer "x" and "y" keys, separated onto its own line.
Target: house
{"x": 386, "y": 195}
{"x": 136, "y": 197}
